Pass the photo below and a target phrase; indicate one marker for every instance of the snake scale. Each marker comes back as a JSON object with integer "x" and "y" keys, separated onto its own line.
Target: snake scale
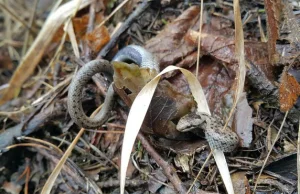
{"x": 217, "y": 138}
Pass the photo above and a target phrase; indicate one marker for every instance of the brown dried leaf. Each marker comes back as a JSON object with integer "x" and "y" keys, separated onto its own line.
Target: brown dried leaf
{"x": 5, "y": 60}
{"x": 131, "y": 77}
{"x": 11, "y": 187}
{"x": 79, "y": 24}
{"x": 289, "y": 91}
{"x": 98, "y": 38}
{"x": 183, "y": 161}
{"x": 177, "y": 43}
{"x": 273, "y": 12}
{"x": 216, "y": 80}
{"x": 170, "y": 45}
{"x": 240, "y": 183}
{"x": 167, "y": 104}
{"x": 222, "y": 48}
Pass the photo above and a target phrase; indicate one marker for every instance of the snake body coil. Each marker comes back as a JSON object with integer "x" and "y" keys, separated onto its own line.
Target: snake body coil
{"x": 131, "y": 53}
{"x": 222, "y": 140}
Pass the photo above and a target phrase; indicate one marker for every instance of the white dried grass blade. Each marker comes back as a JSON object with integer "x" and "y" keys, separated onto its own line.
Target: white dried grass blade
{"x": 241, "y": 74}
{"x": 239, "y": 48}
{"x": 40, "y": 44}
{"x": 139, "y": 109}
{"x": 112, "y": 13}
{"x": 70, "y": 30}
{"x": 51, "y": 179}
{"x": 223, "y": 169}
{"x": 240, "y": 56}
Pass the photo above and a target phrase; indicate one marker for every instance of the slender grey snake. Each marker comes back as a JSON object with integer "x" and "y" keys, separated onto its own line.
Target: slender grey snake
{"x": 218, "y": 139}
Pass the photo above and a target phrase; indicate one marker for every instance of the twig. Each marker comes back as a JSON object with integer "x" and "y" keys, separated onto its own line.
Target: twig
{"x": 207, "y": 159}
{"x": 146, "y": 172}
{"x": 42, "y": 118}
{"x": 199, "y": 40}
{"x": 41, "y": 141}
{"x": 14, "y": 15}
{"x": 281, "y": 178}
{"x": 112, "y": 13}
{"x": 92, "y": 14}
{"x": 265, "y": 162}
{"x": 240, "y": 56}
{"x": 168, "y": 169}
{"x": 114, "y": 39}
{"x": 115, "y": 183}
{"x": 73, "y": 172}
{"x": 26, "y": 40}
{"x": 101, "y": 154}
{"x": 79, "y": 150}
{"x": 51, "y": 179}
{"x": 25, "y": 145}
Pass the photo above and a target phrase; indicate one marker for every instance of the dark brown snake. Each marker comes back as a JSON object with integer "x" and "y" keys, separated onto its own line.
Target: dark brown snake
{"x": 218, "y": 139}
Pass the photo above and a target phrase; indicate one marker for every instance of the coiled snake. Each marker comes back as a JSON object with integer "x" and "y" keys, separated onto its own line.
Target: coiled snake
{"x": 218, "y": 139}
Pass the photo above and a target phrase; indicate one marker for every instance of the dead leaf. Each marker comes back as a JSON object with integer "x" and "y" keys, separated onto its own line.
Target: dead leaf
{"x": 183, "y": 161}
{"x": 167, "y": 104}
{"x": 98, "y": 38}
{"x": 271, "y": 137}
{"x": 284, "y": 165}
{"x": 240, "y": 183}
{"x": 289, "y": 147}
{"x": 216, "y": 80}
{"x": 289, "y": 91}
{"x": 243, "y": 122}
{"x": 290, "y": 23}
{"x": 273, "y": 12}
{"x": 131, "y": 77}
{"x": 5, "y": 60}
{"x": 11, "y": 187}
{"x": 170, "y": 45}
{"x": 79, "y": 24}
{"x": 222, "y": 48}
{"x": 154, "y": 186}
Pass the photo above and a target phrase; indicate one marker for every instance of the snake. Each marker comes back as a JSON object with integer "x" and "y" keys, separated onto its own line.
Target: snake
{"x": 217, "y": 139}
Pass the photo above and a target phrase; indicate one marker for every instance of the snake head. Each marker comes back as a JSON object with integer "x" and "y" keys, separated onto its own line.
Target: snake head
{"x": 191, "y": 122}
{"x": 224, "y": 140}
